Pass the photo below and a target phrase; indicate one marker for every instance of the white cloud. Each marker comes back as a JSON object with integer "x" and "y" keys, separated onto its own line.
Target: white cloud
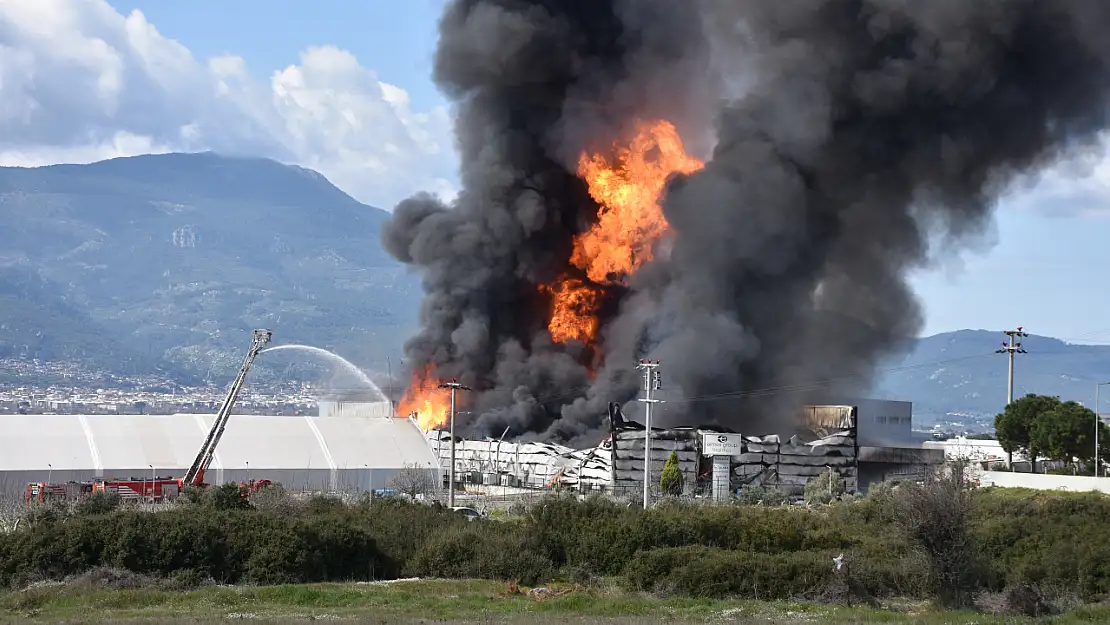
{"x": 1076, "y": 186}
{"x": 80, "y": 82}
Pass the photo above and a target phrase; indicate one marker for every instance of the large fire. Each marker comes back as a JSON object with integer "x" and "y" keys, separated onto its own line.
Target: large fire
{"x": 431, "y": 404}
{"x": 627, "y": 185}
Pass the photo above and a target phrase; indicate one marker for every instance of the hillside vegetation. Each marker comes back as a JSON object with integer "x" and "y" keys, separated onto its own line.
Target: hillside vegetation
{"x": 959, "y": 372}
{"x": 170, "y": 260}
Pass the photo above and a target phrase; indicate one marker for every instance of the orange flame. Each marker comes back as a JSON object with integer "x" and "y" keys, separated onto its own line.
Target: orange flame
{"x": 431, "y": 404}
{"x": 630, "y": 221}
{"x": 574, "y": 310}
{"x": 628, "y": 188}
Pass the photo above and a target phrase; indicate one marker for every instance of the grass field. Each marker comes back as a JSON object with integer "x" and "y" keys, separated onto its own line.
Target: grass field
{"x": 437, "y": 601}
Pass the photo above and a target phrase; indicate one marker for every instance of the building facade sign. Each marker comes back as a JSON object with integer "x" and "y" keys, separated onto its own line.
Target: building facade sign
{"x": 715, "y": 444}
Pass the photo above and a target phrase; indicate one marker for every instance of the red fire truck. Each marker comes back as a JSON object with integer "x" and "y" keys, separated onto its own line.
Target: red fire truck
{"x": 156, "y": 488}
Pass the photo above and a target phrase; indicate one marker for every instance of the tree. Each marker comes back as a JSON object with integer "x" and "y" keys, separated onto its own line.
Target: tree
{"x": 413, "y": 480}
{"x": 1066, "y": 433}
{"x": 823, "y": 488}
{"x": 1014, "y": 426}
{"x": 98, "y": 503}
{"x": 225, "y": 497}
{"x": 670, "y": 480}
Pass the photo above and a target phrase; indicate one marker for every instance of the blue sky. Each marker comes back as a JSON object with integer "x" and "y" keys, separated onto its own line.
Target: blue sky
{"x": 1045, "y": 271}
{"x": 395, "y": 38}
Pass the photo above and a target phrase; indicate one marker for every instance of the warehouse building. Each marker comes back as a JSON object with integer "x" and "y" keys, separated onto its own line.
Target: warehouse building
{"x": 349, "y": 446}
{"x": 864, "y": 441}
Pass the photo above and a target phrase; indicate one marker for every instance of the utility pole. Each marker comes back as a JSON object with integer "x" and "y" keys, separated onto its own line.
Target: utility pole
{"x": 652, "y": 382}
{"x": 455, "y": 387}
{"x": 1012, "y": 347}
{"x": 1098, "y": 425}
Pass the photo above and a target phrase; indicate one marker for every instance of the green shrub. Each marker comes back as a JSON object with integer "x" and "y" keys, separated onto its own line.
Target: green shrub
{"x": 824, "y": 488}
{"x": 225, "y": 497}
{"x": 324, "y": 504}
{"x": 228, "y": 546}
{"x": 46, "y": 513}
{"x": 670, "y": 479}
{"x": 192, "y": 495}
{"x": 99, "y": 502}
{"x": 480, "y": 550}
{"x": 756, "y": 494}
{"x": 915, "y": 541}
{"x": 273, "y": 498}
{"x": 1051, "y": 539}
{"x": 717, "y": 573}
{"x": 936, "y": 517}
{"x": 882, "y": 491}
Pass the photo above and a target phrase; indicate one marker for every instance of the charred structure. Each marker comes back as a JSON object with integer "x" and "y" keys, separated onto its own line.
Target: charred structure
{"x": 852, "y": 441}
{"x": 847, "y": 137}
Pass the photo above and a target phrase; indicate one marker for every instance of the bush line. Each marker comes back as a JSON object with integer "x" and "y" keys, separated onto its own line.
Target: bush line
{"x": 918, "y": 541}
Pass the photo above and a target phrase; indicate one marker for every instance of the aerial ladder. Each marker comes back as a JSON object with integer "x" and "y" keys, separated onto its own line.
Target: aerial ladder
{"x": 163, "y": 488}
{"x": 195, "y": 475}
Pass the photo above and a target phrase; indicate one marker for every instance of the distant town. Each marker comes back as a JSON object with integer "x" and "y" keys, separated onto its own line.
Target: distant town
{"x": 36, "y": 387}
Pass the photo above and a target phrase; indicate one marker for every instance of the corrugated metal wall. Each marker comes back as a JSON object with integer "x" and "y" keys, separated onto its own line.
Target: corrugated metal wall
{"x": 767, "y": 461}
{"x": 628, "y": 458}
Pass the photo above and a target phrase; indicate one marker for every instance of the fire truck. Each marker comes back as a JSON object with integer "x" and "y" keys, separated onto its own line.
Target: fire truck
{"x": 156, "y": 488}
{"x": 39, "y": 493}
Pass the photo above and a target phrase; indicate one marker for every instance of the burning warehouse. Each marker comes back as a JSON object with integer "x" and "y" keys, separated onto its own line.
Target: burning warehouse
{"x": 863, "y": 443}
{"x": 737, "y": 189}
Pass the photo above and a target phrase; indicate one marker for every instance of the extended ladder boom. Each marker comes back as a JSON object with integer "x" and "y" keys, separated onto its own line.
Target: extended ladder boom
{"x": 195, "y": 475}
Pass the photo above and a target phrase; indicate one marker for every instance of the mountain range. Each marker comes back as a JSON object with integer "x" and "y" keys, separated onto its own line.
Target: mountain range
{"x": 961, "y": 373}
{"x": 166, "y": 262}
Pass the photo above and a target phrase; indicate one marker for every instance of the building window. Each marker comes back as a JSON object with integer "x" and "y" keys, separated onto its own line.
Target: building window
{"x": 881, "y": 420}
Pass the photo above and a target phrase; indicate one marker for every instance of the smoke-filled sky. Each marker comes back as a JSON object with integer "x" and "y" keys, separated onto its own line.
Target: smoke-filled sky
{"x": 852, "y": 142}
{"x": 346, "y": 89}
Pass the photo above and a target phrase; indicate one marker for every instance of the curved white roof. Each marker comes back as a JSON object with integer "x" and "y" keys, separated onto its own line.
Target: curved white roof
{"x": 345, "y": 451}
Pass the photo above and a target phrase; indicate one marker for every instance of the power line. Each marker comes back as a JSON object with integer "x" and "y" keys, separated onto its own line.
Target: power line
{"x": 771, "y": 390}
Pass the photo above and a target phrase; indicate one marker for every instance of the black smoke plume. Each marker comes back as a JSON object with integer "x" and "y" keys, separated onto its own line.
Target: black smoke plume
{"x": 851, "y": 138}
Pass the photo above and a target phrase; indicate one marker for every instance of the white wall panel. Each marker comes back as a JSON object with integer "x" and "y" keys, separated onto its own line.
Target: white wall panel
{"x": 348, "y": 450}
{"x": 129, "y": 444}
{"x": 34, "y": 442}
{"x": 371, "y": 442}
{"x": 266, "y": 442}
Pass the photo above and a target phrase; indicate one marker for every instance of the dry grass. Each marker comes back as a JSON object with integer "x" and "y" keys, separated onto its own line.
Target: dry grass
{"x": 117, "y": 598}
{"x": 11, "y": 511}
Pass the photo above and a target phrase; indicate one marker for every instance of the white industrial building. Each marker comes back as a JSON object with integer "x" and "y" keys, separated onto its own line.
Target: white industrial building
{"x": 349, "y": 446}
{"x": 354, "y": 444}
